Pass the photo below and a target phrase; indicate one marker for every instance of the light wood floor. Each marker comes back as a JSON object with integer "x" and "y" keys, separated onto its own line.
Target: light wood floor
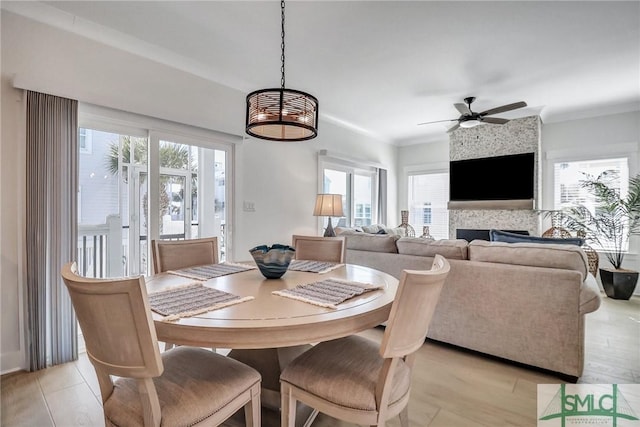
{"x": 451, "y": 388}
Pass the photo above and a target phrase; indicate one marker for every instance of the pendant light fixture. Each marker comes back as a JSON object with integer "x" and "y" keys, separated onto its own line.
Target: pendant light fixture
{"x": 282, "y": 114}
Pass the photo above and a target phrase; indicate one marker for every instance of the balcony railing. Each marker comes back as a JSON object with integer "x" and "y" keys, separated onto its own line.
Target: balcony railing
{"x": 100, "y": 248}
{"x": 103, "y": 249}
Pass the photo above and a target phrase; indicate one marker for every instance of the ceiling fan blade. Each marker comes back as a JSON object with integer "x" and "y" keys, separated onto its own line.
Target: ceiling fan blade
{"x": 463, "y": 108}
{"x": 494, "y": 120}
{"x": 437, "y": 121}
{"x": 504, "y": 108}
{"x": 454, "y": 127}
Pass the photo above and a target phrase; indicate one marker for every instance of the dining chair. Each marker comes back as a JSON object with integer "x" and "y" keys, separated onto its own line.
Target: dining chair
{"x": 358, "y": 380}
{"x": 184, "y": 386}
{"x": 316, "y": 248}
{"x": 177, "y": 254}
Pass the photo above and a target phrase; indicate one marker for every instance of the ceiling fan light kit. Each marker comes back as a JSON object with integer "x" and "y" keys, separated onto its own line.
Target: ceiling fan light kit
{"x": 470, "y": 123}
{"x": 282, "y": 114}
{"x": 468, "y": 118}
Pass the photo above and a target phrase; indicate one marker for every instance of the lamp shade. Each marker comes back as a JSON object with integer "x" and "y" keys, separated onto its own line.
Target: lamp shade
{"x": 328, "y": 205}
{"x": 282, "y": 115}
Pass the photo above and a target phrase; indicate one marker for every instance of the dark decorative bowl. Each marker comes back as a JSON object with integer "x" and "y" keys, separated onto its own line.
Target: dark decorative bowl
{"x": 272, "y": 261}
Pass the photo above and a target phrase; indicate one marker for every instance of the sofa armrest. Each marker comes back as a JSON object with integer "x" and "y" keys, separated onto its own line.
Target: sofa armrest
{"x": 590, "y": 299}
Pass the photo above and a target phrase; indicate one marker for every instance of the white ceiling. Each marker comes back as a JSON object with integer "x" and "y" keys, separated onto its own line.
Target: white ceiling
{"x": 384, "y": 66}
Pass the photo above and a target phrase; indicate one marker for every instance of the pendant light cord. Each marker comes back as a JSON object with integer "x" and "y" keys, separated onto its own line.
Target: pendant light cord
{"x": 282, "y": 44}
{"x": 281, "y": 114}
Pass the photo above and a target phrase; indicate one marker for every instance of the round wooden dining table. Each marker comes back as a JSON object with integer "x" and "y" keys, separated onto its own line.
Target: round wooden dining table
{"x": 271, "y": 321}
{"x": 268, "y": 331}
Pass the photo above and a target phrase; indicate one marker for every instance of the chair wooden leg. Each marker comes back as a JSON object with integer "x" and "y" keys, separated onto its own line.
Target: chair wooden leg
{"x": 404, "y": 417}
{"x": 287, "y": 406}
{"x": 149, "y": 400}
{"x": 252, "y": 408}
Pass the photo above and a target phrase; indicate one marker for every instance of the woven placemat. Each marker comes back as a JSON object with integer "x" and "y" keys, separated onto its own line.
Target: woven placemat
{"x": 191, "y": 299}
{"x": 327, "y": 293}
{"x": 313, "y": 266}
{"x": 209, "y": 271}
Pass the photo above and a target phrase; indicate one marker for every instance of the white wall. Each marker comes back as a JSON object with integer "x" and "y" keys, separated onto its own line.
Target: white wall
{"x": 279, "y": 178}
{"x": 12, "y": 158}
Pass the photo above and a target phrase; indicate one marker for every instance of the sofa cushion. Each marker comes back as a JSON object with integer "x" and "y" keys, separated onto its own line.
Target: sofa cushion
{"x": 451, "y": 249}
{"x": 505, "y": 236}
{"x": 372, "y": 242}
{"x": 551, "y": 255}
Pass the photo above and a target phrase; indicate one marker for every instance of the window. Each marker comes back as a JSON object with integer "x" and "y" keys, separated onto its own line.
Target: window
{"x": 358, "y": 187}
{"x": 427, "y": 198}
{"x": 426, "y": 213}
{"x": 85, "y": 142}
{"x": 567, "y": 190}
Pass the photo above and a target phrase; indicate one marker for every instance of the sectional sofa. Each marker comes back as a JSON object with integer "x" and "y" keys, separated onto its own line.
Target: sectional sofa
{"x": 524, "y": 302}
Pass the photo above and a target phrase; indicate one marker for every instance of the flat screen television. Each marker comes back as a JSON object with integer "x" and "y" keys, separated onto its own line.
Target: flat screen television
{"x": 508, "y": 177}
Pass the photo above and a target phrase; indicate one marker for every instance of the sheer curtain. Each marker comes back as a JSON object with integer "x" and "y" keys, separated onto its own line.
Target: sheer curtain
{"x": 51, "y": 235}
{"x": 382, "y": 196}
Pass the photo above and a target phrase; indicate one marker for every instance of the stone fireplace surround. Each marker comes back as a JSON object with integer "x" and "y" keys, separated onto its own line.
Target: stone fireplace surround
{"x": 517, "y": 136}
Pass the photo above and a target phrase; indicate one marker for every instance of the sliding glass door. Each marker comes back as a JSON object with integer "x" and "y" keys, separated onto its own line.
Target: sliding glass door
{"x": 111, "y": 194}
{"x": 192, "y": 192}
{"x": 135, "y": 186}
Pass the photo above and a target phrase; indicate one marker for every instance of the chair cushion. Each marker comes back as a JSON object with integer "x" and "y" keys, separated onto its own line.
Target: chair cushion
{"x": 345, "y": 372}
{"x": 195, "y": 384}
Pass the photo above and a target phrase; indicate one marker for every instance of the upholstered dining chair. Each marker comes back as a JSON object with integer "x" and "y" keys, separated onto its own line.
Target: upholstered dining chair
{"x": 360, "y": 381}
{"x": 177, "y": 254}
{"x": 184, "y": 386}
{"x": 316, "y": 248}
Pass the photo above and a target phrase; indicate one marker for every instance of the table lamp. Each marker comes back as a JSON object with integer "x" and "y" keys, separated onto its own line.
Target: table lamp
{"x": 328, "y": 205}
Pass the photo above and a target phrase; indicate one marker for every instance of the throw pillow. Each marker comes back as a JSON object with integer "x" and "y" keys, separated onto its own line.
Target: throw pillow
{"x": 371, "y": 229}
{"x": 505, "y": 236}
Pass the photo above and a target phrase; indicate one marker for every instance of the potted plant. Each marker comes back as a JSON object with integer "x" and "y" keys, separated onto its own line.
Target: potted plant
{"x": 609, "y": 224}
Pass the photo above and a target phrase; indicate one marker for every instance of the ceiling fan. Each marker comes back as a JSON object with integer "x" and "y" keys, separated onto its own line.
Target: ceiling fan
{"x": 469, "y": 119}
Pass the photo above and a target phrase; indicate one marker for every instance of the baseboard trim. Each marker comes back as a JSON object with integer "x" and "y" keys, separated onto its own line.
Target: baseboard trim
{"x": 12, "y": 362}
